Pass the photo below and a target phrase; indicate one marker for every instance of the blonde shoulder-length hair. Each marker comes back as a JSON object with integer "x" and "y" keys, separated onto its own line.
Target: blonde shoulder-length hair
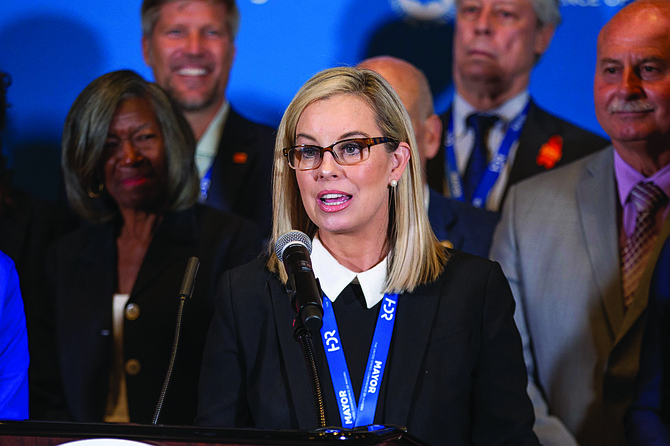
{"x": 415, "y": 256}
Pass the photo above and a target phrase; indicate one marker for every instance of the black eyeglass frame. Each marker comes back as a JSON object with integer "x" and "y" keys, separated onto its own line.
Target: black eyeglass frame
{"x": 369, "y": 142}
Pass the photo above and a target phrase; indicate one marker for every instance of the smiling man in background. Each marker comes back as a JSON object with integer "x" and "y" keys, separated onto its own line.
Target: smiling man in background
{"x": 190, "y": 46}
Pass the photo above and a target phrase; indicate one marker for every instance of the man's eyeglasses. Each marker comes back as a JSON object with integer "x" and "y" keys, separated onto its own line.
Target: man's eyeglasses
{"x": 346, "y": 152}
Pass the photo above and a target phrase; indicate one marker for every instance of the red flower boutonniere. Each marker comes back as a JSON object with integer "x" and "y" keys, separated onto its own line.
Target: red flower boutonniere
{"x": 239, "y": 158}
{"x": 550, "y": 152}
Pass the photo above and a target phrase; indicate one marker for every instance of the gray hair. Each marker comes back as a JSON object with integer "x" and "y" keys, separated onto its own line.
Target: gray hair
{"x": 547, "y": 11}
{"x": 85, "y": 132}
{"x": 151, "y": 10}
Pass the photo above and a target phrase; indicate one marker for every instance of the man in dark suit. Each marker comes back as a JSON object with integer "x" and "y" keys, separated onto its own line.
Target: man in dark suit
{"x": 648, "y": 418}
{"x": 457, "y": 225}
{"x": 190, "y": 47}
{"x": 574, "y": 243}
{"x": 498, "y": 135}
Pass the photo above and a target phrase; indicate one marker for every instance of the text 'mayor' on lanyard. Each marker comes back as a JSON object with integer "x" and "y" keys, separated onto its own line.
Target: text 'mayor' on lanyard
{"x": 495, "y": 166}
{"x": 352, "y": 415}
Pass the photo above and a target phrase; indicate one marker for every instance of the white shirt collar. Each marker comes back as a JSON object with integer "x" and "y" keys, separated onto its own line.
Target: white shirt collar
{"x": 507, "y": 111}
{"x": 334, "y": 277}
{"x": 208, "y": 145}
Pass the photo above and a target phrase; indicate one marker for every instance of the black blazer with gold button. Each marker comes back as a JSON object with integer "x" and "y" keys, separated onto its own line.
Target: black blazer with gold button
{"x": 455, "y": 372}
{"x": 73, "y": 359}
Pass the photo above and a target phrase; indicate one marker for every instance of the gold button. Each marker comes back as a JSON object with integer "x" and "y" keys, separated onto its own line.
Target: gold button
{"x": 132, "y": 312}
{"x": 133, "y": 367}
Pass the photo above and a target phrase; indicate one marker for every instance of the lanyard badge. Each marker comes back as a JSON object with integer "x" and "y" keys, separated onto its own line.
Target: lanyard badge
{"x": 351, "y": 414}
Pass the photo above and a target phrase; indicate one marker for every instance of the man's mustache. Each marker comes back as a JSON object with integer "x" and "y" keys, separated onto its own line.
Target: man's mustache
{"x": 623, "y": 106}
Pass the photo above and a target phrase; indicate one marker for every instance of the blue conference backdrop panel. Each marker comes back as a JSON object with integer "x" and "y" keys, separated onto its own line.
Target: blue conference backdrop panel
{"x": 54, "y": 48}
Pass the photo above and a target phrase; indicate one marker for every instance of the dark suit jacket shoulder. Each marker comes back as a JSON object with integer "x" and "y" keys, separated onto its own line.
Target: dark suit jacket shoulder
{"x": 461, "y": 225}
{"x": 540, "y": 126}
{"x": 242, "y": 171}
{"x": 74, "y": 360}
{"x": 455, "y": 368}
{"x": 27, "y": 227}
{"x": 648, "y": 418}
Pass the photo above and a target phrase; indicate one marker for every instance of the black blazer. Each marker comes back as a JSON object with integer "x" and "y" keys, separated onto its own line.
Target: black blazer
{"x": 461, "y": 225}
{"x": 74, "y": 360}
{"x": 539, "y": 127}
{"x": 455, "y": 372}
{"x": 241, "y": 181}
{"x": 27, "y": 228}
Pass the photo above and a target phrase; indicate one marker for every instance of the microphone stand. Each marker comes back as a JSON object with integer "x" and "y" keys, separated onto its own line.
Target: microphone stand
{"x": 186, "y": 291}
{"x": 304, "y": 337}
{"x": 173, "y": 356}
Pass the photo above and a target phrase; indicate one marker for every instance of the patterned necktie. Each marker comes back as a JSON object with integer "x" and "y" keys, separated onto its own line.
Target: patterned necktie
{"x": 479, "y": 158}
{"x": 647, "y": 198}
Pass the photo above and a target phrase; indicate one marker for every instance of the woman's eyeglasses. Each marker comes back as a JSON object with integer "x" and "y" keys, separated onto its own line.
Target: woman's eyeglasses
{"x": 346, "y": 152}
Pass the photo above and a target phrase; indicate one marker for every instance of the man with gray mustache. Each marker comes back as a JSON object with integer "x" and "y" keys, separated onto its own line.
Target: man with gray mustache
{"x": 619, "y": 106}
{"x": 577, "y": 244}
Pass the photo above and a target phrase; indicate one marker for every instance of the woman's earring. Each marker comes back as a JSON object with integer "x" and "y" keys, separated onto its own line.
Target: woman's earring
{"x": 393, "y": 183}
{"x": 92, "y": 194}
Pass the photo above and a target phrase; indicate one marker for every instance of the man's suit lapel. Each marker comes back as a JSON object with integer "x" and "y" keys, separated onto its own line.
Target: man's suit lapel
{"x": 231, "y": 163}
{"x": 293, "y": 360}
{"x": 412, "y": 331}
{"x": 597, "y": 208}
{"x": 533, "y": 136}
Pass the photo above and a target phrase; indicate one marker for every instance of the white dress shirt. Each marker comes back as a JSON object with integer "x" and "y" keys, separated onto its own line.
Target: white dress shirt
{"x": 208, "y": 145}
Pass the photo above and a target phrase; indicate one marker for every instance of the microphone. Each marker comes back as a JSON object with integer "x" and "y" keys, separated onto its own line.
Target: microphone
{"x": 293, "y": 249}
{"x": 188, "y": 283}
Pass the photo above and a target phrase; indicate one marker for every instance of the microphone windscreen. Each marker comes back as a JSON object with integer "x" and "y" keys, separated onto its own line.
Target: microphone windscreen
{"x": 292, "y": 238}
{"x": 188, "y": 283}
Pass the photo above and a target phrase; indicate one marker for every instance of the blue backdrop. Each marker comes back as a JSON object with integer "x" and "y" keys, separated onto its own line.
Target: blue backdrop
{"x": 54, "y": 48}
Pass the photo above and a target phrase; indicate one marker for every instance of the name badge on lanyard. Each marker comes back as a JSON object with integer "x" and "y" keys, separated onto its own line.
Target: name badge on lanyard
{"x": 205, "y": 182}
{"x": 492, "y": 171}
{"x": 352, "y": 415}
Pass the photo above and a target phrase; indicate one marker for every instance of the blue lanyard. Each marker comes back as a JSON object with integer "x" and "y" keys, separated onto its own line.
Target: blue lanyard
{"x": 374, "y": 371}
{"x": 204, "y": 185}
{"x": 495, "y": 166}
